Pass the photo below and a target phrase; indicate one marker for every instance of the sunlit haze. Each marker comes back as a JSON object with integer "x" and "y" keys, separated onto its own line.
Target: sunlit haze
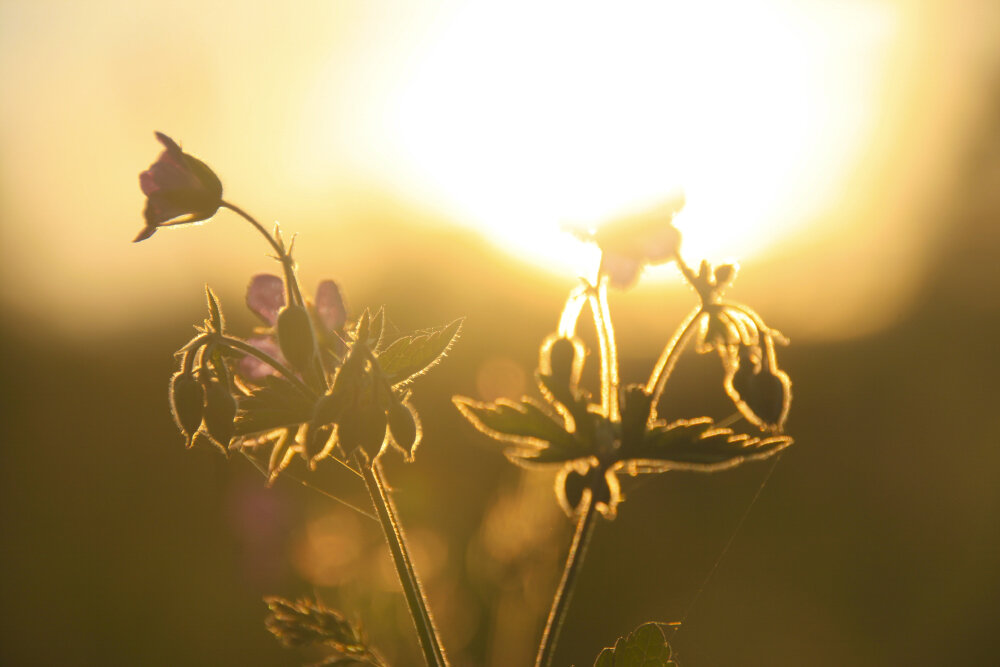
{"x": 756, "y": 110}
{"x": 815, "y": 134}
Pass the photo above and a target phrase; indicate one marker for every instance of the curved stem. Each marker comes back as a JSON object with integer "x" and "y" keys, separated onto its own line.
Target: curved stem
{"x": 294, "y": 293}
{"x": 243, "y": 346}
{"x": 609, "y": 335}
{"x": 571, "y": 311}
{"x": 597, "y": 296}
{"x": 668, "y": 359}
{"x": 574, "y": 560}
{"x": 430, "y": 644}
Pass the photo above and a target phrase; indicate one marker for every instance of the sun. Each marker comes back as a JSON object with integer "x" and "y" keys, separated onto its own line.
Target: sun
{"x": 522, "y": 118}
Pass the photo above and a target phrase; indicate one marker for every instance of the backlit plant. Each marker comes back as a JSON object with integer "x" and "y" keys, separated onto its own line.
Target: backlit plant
{"x": 313, "y": 387}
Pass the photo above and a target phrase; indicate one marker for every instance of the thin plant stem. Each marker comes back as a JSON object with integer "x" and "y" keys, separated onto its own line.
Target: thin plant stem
{"x": 609, "y": 334}
{"x": 284, "y": 257}
{"x": 609, "y": 357}
{"x": 571, "y": 312}
{"x": 247, "y": 348}
{"x": 430, "y": 643}
{"x": 574, "y": 560}
{"x": 668, "y": 359}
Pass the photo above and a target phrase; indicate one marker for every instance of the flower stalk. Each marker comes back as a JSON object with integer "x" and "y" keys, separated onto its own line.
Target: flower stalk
{"x": 430, "y": 643}
{"x": 574, "y": 561}
{"x": 284, "y": 256}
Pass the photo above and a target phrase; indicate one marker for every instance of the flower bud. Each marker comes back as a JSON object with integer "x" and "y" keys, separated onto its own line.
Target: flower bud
{"x": 330, "y": 407}
{"x": 363, "y": 428}
{"x": 187, "y": 403}
{"x": 296, "y": 337}
{"x": 220, "y": 411}
{"x": 562, "y": 359}
{"x": 724, "y": 274}
{"x": 570, "y": 490}
{"x": 761, "y": 393}
{"x": 403, "y": 427}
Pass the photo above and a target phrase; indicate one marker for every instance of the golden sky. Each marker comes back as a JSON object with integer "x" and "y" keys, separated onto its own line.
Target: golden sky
{"x": 816, "y": 141}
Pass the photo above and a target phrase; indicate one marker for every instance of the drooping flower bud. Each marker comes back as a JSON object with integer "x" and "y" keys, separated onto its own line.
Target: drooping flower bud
{"x": 762, "y": 392}
{"x": 296, "y": 337}
{"x": 569, "y": 489}
{"x": 220, "y": 411}
{"x": 187, "y": 403}
{"x": 562, "y": 358}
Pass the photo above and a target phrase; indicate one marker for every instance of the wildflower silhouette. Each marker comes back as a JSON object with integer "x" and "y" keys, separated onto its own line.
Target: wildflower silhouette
{"x": 593, "y": 443}
{"x": 177, "y": 185}
{"x": 315, "y": 388}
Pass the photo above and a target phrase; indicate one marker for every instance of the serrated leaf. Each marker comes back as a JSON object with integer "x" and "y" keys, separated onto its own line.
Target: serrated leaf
{"x": 697, "y": 444}
{"x": 214, "y": 311}
{"x": 276, "y": 404}
{"x": 410, "y": 356}
{"x": 646, "y": 646}
{"x": 537, "y": 436}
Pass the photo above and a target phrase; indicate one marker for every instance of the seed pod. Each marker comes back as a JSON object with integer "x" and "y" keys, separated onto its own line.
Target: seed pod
{"x": 403, "y": 427}
{"x": 187, "y": 403}
{"x": 220, "y": 412}
{"x": 295, "y": 336}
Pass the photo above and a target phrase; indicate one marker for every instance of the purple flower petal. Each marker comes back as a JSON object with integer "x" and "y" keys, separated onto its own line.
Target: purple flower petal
{"x": 621, "y": 270}
{"x": 253, "y": 368}
{"x": 661, "y": 244}
{"x": 266, "y": 296}
{"x": 330, "y": 306}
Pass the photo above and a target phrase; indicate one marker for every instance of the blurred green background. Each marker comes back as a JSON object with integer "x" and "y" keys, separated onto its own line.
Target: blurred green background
{"x": 875, "y": 542}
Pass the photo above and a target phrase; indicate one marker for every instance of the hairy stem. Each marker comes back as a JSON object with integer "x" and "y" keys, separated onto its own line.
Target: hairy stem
{"x": 430, "y": 643}
{"x": 571, "y": 312}
{"x": 598, "y": 297}
{"x": 574, "y": 560}
{"x": 287, "y": 263}
{"x": 668, "y": 359}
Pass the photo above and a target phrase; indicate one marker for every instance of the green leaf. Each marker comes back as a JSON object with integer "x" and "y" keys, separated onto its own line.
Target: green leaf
{"x": 537, "y": 437}
{"x": 646, "y": 646}
{"x": 276, "y": 404}
{"x": 214, "y": 311}
{"x": 410, "y": 356}
{"x": 697, "y": 444}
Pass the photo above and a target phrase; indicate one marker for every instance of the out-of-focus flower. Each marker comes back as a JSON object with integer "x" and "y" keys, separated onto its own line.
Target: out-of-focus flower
{"x": 266, "y": 297}
{"x": 630, "y": 244}
{"x": 177, "y": 185}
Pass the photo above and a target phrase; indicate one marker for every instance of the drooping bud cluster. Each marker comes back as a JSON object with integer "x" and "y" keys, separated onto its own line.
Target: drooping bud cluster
{"x": 202, "y": 400}
{"x": 762, "y": 392}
